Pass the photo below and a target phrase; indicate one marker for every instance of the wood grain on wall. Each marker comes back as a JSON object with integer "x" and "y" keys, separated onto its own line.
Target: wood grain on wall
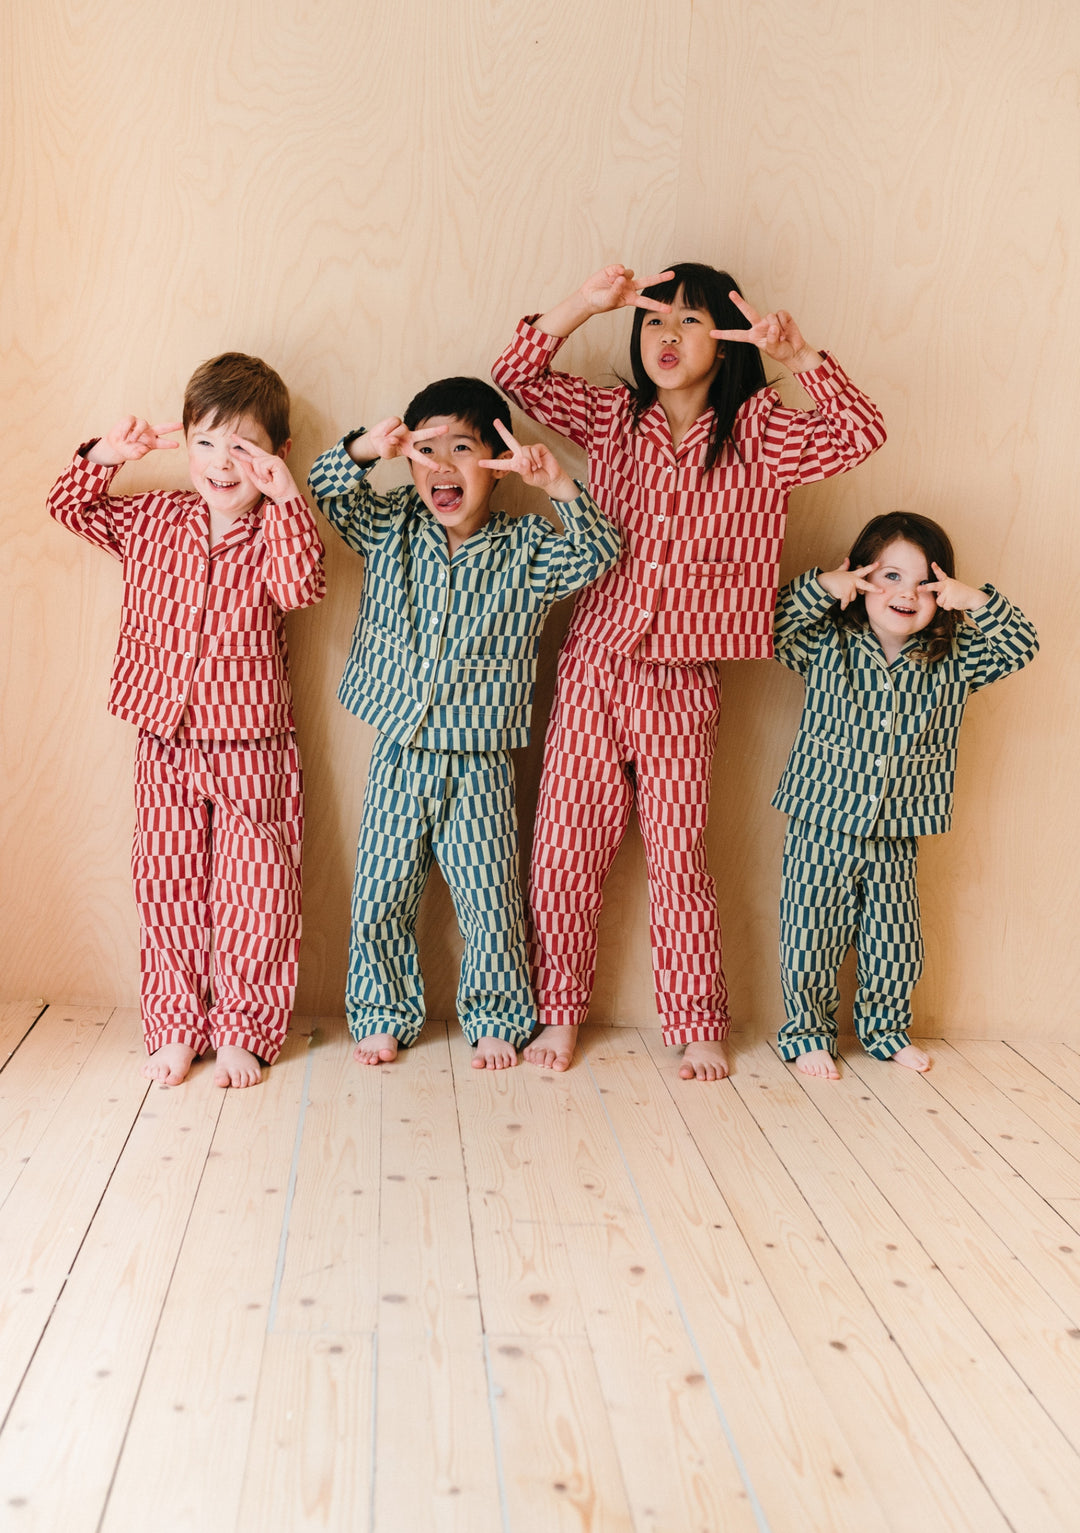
{"x": 369, "y": 196}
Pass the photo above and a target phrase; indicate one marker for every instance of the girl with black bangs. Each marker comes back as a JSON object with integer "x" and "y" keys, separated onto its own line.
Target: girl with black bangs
{"x": 891, "y": 646}
{"x": 693, "y": 459}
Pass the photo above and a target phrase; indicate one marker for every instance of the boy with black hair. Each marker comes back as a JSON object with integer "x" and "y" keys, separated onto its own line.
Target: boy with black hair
{"x": 202, "y": 669}
{"x": 442, "y": 664}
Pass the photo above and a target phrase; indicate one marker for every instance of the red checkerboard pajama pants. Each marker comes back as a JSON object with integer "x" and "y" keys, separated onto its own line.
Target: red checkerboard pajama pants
{"x": 626, "y": 731}
{"x": 216, "y": 865}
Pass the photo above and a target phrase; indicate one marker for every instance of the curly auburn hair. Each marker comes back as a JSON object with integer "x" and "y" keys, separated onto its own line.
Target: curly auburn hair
{"x": 933, "y": 542}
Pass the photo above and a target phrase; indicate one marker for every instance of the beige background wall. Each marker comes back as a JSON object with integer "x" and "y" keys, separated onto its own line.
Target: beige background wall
{"x": 368, "y": 195}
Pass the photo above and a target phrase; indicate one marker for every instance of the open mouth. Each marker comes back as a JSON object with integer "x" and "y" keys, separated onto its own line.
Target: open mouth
{"x": 902, "y": 611}
{"x": 222, "y": 484}
{"x": 447, "y": 497}
{"x": 668, "y": 359}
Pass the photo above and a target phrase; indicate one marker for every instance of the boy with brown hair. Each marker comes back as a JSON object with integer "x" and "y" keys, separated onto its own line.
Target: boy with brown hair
{"x": 201, "y": 669}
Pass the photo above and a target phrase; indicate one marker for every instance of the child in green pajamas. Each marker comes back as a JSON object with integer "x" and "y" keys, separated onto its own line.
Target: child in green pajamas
{"x": 891, "y": 645}
{"x": 442, "y": 664}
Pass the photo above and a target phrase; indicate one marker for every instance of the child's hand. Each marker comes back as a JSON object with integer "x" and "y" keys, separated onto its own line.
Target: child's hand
{"x": 615, "y": 288}
{"x": 132, "y": 438}
{"x": 844, "y": 584}
{"x": 537, "y": 465}
{"x": 952, "y": 595}
{"x": 391, "y": 438}
{"x": 776, "y": 334}
{"x": 266, "y": 471}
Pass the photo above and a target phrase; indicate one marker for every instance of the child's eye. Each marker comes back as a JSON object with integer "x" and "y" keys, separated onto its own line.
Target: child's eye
{"x": 691, "y": 319}
{"x": 890, "y": 575}
{"x": 652, "y": 320}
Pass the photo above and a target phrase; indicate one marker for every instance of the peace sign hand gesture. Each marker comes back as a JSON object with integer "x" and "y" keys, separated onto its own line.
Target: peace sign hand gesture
{"x": 844, "y": 584}
{"x": 615, "y": 287}
{"x": 130, "y": 439}
{"x": 952, "y": 595}
{"x": 266, "y": 471}
{"x": 775, "y": 333}
{"x": 535, "y": 464}
{"x": 392, "y": 439}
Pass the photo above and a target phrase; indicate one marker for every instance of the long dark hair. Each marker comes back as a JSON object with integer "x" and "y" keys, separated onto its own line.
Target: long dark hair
{"x": 742, "y": 372}
{"x": 933, "y": 542}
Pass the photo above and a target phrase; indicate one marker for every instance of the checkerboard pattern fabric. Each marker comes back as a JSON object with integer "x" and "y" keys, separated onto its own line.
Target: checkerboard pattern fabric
{"x": 202, "y": 641}
{"x": 444, "y": 652}
{"x": 698, "y": 577}
{"x": 624, "y": 732}
{"x": 838, "y": 890}
{"x": 875, "y": 753}
{"x": 457, "y": 810}
{"x": 216, "y": 865}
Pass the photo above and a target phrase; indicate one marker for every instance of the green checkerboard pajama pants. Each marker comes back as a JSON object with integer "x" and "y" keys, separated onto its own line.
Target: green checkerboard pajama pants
{"x": 837, "y": 890}
{"x": 456, "y": 809}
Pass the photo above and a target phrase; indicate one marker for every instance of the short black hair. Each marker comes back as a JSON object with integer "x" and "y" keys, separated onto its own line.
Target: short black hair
{"x": 471, "y": 400}
{"x": 742, "y": 372}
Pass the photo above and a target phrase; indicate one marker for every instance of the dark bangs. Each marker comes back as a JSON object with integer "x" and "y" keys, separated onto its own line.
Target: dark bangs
{"x": 742, "y": 372}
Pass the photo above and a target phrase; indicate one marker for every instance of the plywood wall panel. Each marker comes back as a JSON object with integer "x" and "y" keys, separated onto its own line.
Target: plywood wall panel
{"x": 369, "y": 195}
{"x": 905, "y": 180}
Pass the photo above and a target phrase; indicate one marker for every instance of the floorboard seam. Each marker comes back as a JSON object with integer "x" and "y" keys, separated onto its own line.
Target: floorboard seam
{"x": 714, "y": 1394}
{"x": 290, "y": 1191}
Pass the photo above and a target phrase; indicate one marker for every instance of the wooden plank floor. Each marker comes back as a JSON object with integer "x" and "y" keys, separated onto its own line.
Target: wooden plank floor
{"x": 425, "y": 1297}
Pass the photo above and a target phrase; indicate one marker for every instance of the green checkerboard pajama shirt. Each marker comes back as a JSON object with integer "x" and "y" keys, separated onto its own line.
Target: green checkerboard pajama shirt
{"x": 872, "y": 769}
{"x": 442, "y": 666}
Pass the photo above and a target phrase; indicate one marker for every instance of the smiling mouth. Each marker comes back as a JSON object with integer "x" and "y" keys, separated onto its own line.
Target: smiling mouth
{"x": 903, "y": 611}
{"x": 222, "y": 484}
{"x": 447, "y": 497}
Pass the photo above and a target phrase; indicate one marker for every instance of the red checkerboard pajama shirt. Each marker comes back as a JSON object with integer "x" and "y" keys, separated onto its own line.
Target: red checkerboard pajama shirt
{"x": 638, "y": 700}
{"x": 202, "y": 669}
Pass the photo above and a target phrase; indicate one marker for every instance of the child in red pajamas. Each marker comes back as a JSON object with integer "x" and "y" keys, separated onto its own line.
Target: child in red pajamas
{"x": 694, "y": 461}
{"x": 202, "y": 669}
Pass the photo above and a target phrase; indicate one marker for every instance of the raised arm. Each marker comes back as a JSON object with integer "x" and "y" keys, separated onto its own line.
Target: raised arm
{"x": 80, "y": 499}
{"x": 801, "y": 446}
{"x": 612, "y": 287}
{"x": 559, "y": 400}
{"x": 295, "y": 577}
{"x": 803, "y": 607}
{"x": 589, "y": 545}
{"x": 338, "y": 481}
{"x": 996, "y": 640}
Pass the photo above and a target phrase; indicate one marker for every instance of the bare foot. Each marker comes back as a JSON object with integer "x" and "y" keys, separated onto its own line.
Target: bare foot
{"x": 169, "y": 1065}
{"x": 706, "y": 1061}
{"x": 494, "y": 1054}
{"x": 236, "y": 1067}
{"x": 553, "y": 1048}
{"x": 378, "y": 1049}
{"x": 911, "y": 1058}
{"x": 819, "y": 1063}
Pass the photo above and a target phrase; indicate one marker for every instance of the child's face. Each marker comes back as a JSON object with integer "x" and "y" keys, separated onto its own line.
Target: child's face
{"x": 451, "y": 484}
{"x": 215, "y": 459}
{"x": 898, "y": 606}
{"x": 676, "y": 349}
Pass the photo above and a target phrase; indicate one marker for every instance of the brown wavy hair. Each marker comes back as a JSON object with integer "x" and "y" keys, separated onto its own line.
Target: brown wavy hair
{"x": 933, "y": 542}
{"x": 233, "y": 385}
